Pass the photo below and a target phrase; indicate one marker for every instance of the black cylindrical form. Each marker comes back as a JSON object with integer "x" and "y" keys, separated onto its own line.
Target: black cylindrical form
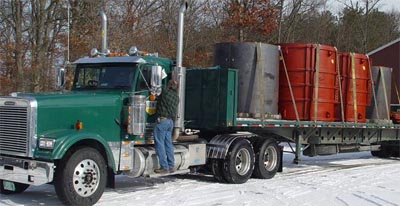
{"x": 258, "y": 66}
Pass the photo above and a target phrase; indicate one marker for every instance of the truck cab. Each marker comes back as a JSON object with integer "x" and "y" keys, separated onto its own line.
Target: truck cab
{"x": 103, "y": 126}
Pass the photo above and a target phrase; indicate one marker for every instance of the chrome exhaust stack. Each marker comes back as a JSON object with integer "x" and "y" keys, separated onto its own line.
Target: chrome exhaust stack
{"x": 179, "y": 75}
{"x": 179, "y": 45}
{"x": 103, "y": 32}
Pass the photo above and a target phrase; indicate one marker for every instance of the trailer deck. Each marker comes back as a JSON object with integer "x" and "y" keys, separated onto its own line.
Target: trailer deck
{"x": 253, "y": 122}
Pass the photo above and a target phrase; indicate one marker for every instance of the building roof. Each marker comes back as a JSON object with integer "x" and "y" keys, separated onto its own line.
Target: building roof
{"x": 384, "y": 46}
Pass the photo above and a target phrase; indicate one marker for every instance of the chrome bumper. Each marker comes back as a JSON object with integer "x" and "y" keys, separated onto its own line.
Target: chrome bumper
{"x": 26, "y": 171}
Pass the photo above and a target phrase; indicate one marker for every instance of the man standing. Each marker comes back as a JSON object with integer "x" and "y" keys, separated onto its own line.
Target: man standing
{"x": 167, "y": 105}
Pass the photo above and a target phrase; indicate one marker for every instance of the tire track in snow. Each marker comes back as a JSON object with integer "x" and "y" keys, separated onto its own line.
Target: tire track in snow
{"x": 331, "y": 168}
{"x": 367, "y": 199}
{"x": 385, "y": 201}
{"x": 326, "y": 179}
{"x": 342, "y": 201}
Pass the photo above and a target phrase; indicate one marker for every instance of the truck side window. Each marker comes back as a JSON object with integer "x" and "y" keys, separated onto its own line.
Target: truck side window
{"x": 105, "y": 76}
{"x": 141, "y": 83}
{"x": 88, "y": 77}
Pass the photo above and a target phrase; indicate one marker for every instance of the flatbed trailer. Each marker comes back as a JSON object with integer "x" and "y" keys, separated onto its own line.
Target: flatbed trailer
{"x": 213, "y": 96}
{"x": 345, "y": 136}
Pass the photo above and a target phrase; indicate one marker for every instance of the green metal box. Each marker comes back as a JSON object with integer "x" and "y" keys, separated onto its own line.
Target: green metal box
{"x": 211, "y": 98}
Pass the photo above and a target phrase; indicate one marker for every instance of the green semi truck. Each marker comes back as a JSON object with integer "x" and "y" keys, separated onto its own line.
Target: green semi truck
{"x": 79, "y": 140}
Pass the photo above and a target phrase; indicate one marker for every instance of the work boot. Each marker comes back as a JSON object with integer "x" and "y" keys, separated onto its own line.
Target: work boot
{"x": 161, "y": 171}
{"x": 172, "y": 170}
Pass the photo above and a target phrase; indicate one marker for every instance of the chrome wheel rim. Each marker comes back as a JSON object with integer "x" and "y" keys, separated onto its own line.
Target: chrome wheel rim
{"x": 270, "y": 158}
{"x": 242, "y": 161}
{"x": 86, "y": 177}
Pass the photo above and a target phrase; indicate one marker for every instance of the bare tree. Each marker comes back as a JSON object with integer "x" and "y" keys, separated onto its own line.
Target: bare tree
{"x": 365, "y": 7}
{"x": 12, "y": 16}
{"x": 33, "y": 32}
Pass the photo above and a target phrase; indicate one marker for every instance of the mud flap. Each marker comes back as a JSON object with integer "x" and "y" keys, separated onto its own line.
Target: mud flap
{"x": 280, "y": 168}
{"x": 110, "y": 178}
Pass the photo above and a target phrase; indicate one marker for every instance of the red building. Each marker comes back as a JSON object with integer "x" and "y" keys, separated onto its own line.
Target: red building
{"x": 389, "y": 56}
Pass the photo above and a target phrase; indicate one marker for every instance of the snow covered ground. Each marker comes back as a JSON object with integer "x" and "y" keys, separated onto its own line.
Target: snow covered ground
{"x": 345, "y": 180}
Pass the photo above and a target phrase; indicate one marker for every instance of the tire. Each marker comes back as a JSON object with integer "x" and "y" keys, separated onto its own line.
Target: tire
{"x": 19, "y": 188}
{"x": 239, "y": 163}
{"x": 396, "y": 154}
{"x": 383, "y": 153}
{"x": 268, "y": 159}
{"x": 81, "y": 178}
{"x": 375, "y": 153}
{"x": 217, "y": 170}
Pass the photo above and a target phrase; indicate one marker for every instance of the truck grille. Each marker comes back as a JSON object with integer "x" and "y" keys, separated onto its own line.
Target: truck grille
{"x": 14, "y": 130}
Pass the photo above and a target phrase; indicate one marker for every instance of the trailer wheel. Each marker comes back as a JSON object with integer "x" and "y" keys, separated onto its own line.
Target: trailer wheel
{"x": 380, "y": 154}
{"x": 396, "y": 154}
{"x": 81, "y": 178}
{"x": 384, "y": 152}
{"x": 18, "y": 188}
{"x": 267, "y": 159}
{"x": 239, "y": 163}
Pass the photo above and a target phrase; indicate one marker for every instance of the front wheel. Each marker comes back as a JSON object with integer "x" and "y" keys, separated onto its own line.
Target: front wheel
{"x": 81, "y": 179}
{"x": 9, "y": 188}
{"x": 239, "y": 163}
{"x": 267, "y": 159}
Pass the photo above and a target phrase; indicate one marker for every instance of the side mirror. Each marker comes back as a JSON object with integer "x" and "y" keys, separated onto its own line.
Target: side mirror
{"x": 156, "y": 79}
{"x": 61, "y": 78}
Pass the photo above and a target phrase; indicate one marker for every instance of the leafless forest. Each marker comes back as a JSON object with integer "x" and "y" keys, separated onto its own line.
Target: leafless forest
{"x": 34, "y": 37}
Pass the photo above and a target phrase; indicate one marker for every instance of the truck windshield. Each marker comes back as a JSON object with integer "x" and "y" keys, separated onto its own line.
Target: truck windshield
{"x": 89, "y": 77}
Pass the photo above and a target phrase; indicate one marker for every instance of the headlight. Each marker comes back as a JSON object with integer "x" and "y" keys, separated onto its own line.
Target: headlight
{"x": 45, "y": 143}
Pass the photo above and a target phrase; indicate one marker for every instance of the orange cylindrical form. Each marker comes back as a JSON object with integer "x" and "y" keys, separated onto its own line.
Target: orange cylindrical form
{"x": 312, "y": 71}
{"x": 357, "y": 86}
{"x": 340, "y": 97}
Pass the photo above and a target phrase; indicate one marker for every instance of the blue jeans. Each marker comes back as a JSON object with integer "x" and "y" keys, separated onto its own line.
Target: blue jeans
{"x": 163, "y": 143}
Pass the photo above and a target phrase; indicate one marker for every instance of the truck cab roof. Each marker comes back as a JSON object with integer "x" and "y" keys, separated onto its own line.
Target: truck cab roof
{"x": 120, "y": 59}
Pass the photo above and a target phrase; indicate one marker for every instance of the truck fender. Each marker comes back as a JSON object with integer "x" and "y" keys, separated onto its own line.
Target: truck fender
{"x": 65, "y": 139}
{"x": 219, "y": 145}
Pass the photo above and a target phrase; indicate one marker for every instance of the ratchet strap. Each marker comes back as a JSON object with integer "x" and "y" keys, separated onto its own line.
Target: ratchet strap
{"x": 354, "y": 83}
{"x": 316, "y": 81}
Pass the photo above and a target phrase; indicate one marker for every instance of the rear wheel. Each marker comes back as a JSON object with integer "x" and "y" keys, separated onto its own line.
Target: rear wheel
{"x": 217, "y": 170}
{"x": 9, "y": 188}
{"x": 239, "y": 163}
{"x": 396, "y": 153}
{"x": 81, "y": 179}
{"x": 267, "y": 159}
{"x": 380, "y": 153}
{"x": 384, "y": 152}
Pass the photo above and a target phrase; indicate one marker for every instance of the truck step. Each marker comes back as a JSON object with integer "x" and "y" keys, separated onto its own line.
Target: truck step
{"x": 177, "y": 172}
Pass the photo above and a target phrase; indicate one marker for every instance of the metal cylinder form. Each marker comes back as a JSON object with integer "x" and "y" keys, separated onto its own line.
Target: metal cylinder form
{"x": 103, "y": 32}
{"x": 312, "y": 72}
{"x": 180, "y": 74}
{"x": 357, "y": 86}
{"x": 258, "y": 67}
{"x": 146, "y": 160}
{"x": 179, "y": 43}
{"x": 380, "y": 109}
{"x": 138, "y": 114}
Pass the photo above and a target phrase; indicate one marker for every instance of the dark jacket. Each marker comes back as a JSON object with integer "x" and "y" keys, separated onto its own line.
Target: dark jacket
{"x": 167, "y": 103}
